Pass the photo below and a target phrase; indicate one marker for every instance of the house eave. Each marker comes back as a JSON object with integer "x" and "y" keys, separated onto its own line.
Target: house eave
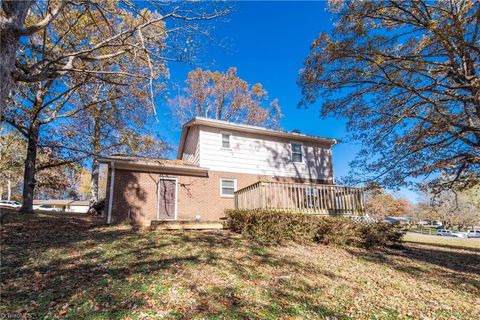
{"x": 148, "y": 166}
{"x": 249, "y": 129}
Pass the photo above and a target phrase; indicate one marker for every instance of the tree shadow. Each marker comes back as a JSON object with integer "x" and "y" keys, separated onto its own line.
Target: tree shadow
{"x": 130, "y": 198}
{"x": 71, "y": 265}
{"x": 457, "y": 267}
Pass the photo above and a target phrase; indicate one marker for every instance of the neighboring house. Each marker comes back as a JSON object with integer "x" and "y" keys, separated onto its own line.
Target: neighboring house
{"x": 79, "y": 206}
{"x": 397, "y": 220}
{"x": 215, "y": 159}
{"x": 429, "y": 222}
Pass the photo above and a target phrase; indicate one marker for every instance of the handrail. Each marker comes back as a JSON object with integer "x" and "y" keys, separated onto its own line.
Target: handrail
{"x": 254, "y": 184}
{"x": 304, "y": 197}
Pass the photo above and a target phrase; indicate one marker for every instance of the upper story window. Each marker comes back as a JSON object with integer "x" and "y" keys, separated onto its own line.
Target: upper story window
{"x": 226, "y": 140}
{"x": 228, "y": 187}
{"x": 297, "y": 152}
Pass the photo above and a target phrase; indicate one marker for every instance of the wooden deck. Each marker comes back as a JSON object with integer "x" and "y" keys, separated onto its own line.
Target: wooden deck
{"x": 307, "y": 198}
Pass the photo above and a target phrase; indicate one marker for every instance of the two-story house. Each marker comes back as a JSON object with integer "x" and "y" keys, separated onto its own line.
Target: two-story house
{"x": 215, "y": 159}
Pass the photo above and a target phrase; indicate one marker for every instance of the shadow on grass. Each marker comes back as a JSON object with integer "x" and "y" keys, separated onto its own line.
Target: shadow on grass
{"x": 459, "y": 267}
{"x": 76, "y": 267}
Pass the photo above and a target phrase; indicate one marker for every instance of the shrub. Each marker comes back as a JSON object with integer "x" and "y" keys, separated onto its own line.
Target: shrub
{"x": 98, "y": 207}
{"x": 381, "y": 234}
{"x": 278, "y": 227}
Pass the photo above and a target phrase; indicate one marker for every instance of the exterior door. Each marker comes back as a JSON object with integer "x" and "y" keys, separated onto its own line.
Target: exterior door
{"x": 166, "y": 199}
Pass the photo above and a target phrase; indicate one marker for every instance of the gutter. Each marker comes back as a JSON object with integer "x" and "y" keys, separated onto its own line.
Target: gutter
{"x": 155, "y": 167}
{"x": 247, "y": 128}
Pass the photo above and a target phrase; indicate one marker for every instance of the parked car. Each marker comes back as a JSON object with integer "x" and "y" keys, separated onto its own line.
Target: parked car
{"x": 46, "y": 207}
{"x": 444, "y": 233}
{"x": 450, "y": 233}
{"x": 473, "y": 233}
{"x": 10, "y": 204}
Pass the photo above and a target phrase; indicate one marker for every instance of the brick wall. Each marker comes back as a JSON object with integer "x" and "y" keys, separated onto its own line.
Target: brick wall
{"x": 135, "y": 195}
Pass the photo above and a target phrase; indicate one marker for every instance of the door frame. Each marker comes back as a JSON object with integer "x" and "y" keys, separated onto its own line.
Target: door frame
{"x": 176, "y": 197}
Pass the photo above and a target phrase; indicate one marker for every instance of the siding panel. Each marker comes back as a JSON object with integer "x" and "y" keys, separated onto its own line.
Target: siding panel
{"x": 262, "y": 155}
{"x": 191, "y": 150}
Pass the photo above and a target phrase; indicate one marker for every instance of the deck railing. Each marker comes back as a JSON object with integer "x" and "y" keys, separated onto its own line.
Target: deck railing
{"x": 308, "y": 198}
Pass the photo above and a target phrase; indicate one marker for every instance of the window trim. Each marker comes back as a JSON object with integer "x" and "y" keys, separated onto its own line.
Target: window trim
{"x": 234, "y": 187}
{"x": 302, "y": 153}
{"x": 229, "y": 134}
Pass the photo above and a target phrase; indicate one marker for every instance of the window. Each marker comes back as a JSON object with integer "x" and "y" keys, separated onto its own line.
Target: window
{"x": 226, "y": 140}
{"x": 228, "y": 187}
{"x": 296, "y": 152}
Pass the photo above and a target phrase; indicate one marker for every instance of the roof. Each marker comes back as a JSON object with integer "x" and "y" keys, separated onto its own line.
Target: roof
{"x": 250, "y": 129}
{"x": 156, "y": 164}
{"x": 396, "y": 219}
{"x": 62, "y": 202}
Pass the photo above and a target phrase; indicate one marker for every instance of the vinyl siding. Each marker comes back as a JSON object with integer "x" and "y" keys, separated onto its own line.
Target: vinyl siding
{"x": 262, "y": 155}
{"x": 191, "y": 150}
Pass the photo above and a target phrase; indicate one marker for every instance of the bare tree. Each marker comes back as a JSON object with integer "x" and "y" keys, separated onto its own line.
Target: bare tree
{"x": 405, "y": 75}
{"x": 12, "y": 27}
{"x": 117, "y": 32}
{"x": 459, "y": 208}
{"x": 112, "y": 42}
{"x": 117, "y": 125}
{"x": 37, "y": 107}
{"x": 225, "y": 96}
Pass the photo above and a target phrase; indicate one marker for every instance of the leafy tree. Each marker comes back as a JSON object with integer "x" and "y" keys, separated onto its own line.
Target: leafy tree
{"x": 12, "y": 27}
{"x": 126, "y": 48}
{"x": 40, "y": 111}
{"x": 452, "y": 208}
{"x": 117, "y": 125}
{"x": 405, "y": 74}
{"x": 59, "y": 182}
{"x": 118, "y": 33}
{"x": 56, "y": 181}
{"x": 12, "y": 148}
{"x": 380, "y": 204}
{"x": 225, "y": 96}
{"x": 84, "y": 183}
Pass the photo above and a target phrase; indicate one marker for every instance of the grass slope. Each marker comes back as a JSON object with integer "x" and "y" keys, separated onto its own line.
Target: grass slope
{"x": 73, "y": 267}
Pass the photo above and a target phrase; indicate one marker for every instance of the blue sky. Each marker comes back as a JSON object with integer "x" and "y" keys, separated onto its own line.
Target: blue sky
{"x": 268, "y": 42}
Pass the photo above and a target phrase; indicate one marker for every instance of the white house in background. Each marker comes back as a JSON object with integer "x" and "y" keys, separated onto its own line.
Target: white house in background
{"x": 77, "y": 206}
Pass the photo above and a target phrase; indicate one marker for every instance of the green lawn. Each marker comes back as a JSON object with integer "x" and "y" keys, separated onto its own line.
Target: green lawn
{"x": 442, "y": 241}
{"x": 74, "y": 267}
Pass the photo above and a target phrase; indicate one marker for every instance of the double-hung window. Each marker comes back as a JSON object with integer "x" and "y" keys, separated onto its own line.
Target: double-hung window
{"x": 296, "y": 152}
{"x": 228, "y": 187}
{"x": 226, "y": 140}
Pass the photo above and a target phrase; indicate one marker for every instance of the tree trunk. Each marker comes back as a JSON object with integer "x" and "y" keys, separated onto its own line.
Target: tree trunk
{"x": 95, "y": 166}
{"x": 29, "y": 174}
{"x": 9, "y": 189}
{"x": 94, "y": 186}
{"x": 11, "y": 21}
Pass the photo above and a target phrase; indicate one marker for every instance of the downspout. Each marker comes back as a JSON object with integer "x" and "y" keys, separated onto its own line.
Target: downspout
{"x": 110, "y": 196}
